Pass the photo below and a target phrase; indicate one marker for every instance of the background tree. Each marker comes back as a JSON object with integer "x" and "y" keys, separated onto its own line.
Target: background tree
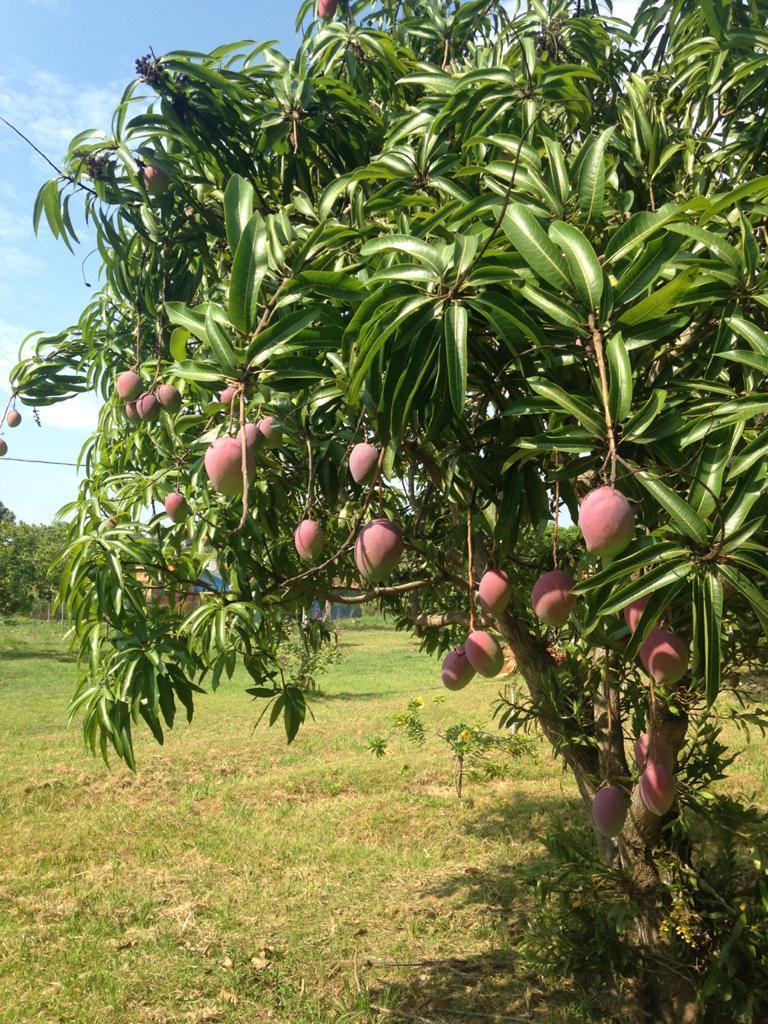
{"x": 525, "y": 256}
{"x": 28, "y": 553}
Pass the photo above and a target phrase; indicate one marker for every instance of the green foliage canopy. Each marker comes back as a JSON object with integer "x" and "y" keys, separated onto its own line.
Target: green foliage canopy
{"x": 523, "y": 253}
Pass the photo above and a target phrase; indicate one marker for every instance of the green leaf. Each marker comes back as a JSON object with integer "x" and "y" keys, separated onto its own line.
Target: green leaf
{"x": 417, "y": 248}
{"x": 637, "y": 229}
{"x": 248, "y": 271}
{"x": 238, "y": 208}
{"x": 456, "y": 323}
{"x": 660, "y": 576}
{"x": 592, "y": 177}
{"x": 645, "y": 268}
{"x": 658, "y": 600}
{"x": 620, "y": 378}
{"x": 711, "y": 241}
{"x": 576, "y": 407}
{"x": 708, "y": 475}
{"x": 220, "y": 344}
{"x": 178, "y": 344}
{"x": 742, "y": 499}
{"x": 535, "y": 246}
{"x": 751, "y": 359}
{"x": 333, "y": 192}
{"x": 191, "y": 319}
{"x": 377, "y": 335}
{"x": 198, "y": 371}
{"x": 555, "y": 308}
{"x": 750, "y": 332}
{"x": 649, "y": 551}
{"x": 687, "y": 520}
{"x": 645, "y": 416}
{"x": 659, "y": 302}
{"x": 557, "y": 168}
{"x": 583, "y": 266}
{"x": 272, "y": 338}
{"x": 752, "y": 453}
{"x": 709, "y": 643}
{"x": 332, "y": 284}
{"x": 741, "y": 582}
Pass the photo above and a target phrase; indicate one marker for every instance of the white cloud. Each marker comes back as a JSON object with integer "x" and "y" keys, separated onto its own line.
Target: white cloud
{"x": 49, "y": 109}
{"x": 11, "y": 336}
{"x": 79, "y": 413}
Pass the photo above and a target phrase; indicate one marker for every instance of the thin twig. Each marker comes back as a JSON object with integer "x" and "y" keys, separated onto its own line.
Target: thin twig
{"x": 502, "y": 213}
{"x": 348, "y": 542}
{"x": 243, "y": 458}
{"x": 597, "y": 341}
{"x": 470, "y": 571}
{"x": 62, "y": 174}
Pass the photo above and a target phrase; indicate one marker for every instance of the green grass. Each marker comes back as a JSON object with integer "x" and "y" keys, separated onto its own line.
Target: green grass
{"x": 236, "y": 879}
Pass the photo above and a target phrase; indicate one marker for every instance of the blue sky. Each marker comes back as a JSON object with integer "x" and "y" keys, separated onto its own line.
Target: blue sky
{"x": 65, "y": 64}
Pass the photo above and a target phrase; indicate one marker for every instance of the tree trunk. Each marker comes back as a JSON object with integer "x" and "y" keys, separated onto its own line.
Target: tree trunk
{"x": 669, "y": 992}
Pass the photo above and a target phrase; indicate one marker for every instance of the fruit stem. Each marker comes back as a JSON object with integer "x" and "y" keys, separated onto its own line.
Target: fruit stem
{"x": 243, "y": 458}
{"x": 557, "y": 514}
{"x": 597, "y": 342}
{"x": 347, "y": 544}
{"x": 310, "y": 479}
{"x": 470, "y": 572}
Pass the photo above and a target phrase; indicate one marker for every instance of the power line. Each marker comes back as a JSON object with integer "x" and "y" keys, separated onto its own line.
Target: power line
{"x": 44, "y": 462}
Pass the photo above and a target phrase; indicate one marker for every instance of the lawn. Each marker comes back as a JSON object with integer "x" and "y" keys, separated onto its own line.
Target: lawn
{"x": 236, "y": 879}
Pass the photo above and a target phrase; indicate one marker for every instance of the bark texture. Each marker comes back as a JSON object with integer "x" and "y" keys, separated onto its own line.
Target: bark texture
{"x": 670, "y": 991}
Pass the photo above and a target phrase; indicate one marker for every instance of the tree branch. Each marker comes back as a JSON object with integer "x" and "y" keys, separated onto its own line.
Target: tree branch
{"x": 538, "y": 669}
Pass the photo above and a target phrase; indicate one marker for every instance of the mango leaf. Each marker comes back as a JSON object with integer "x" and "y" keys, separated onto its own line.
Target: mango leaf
{"x": 708, "y": 475}
{"x": 660, "y": 576}
{"x": 192, "y": 319}
{"x": 558, "y": 170}
{"x": 637, "y": 229}
{"x": 248, "y": 271}
{"x": 198, "y": 371}
{"x": 583, "y": 266}
{"x": 220, "y": 344}
{"x": 661, "y": 301}
{"x": 710, "y": 240}
{"x": 741, "y": 500}
{"x": 559, "y": 311}
{"x": 620, "y": 378}
{"x": 681, "y": 513}
{"x": 648, "y": 552}
{"x": 657, "y": 602}
{"x": 741, "y": 582}
{"x": 456, "y": 323}
{"x": 756, "y": 450}
{"x": 178, "y": 344}
{"x": 272, "y": 338}
{"x": 592, "y": 177}
{"x": 645, "y": 416}
{"x": 532, "y": 242}
{"x": 576, "y": 407}
{"x": 752, "y": 359}
{"x": 238, "y": 208}
{"x": 750, "y": 332}
{"x": 417, "y": 248}
{"x": 329, "y": 283}
{"x": 708, "y": 643}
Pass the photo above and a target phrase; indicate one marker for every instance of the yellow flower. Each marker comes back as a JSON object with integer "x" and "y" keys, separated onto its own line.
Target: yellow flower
{"x": 742, "y": 907}
{"x": 466, "y": 735}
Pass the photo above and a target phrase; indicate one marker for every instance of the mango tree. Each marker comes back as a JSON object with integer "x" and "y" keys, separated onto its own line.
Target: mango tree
{"x": 373, "y": 317}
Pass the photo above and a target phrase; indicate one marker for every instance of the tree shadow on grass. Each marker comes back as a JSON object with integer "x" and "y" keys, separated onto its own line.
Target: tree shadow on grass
{"x": 494, "y": 985}
{"x": 354, "y": 694}
{"x": 40, "y": 654}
